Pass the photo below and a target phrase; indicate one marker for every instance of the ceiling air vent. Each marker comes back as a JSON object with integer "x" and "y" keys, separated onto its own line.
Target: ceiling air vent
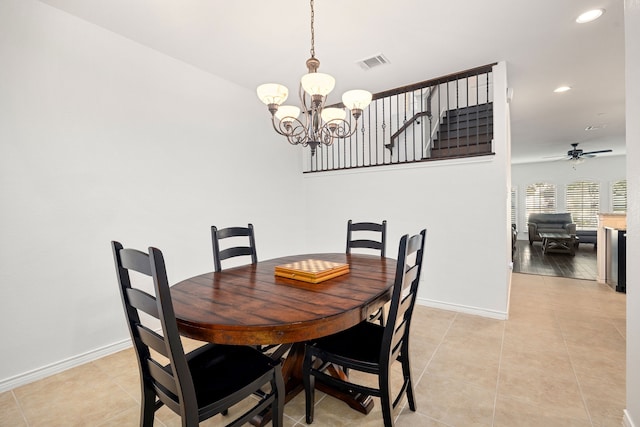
{"x": 372, "y": 62}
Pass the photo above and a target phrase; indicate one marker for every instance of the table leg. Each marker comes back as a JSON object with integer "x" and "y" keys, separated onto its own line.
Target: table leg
{"x": 292, "y": 375}
{"x": 362, "y": 403}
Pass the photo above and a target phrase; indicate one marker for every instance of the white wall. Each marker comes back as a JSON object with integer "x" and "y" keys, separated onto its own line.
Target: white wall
{"x": 604, "y": 170}
{"x": 632, "y": 61}
{"x": 101, "y": 139}
{"x": 463, "y": 205}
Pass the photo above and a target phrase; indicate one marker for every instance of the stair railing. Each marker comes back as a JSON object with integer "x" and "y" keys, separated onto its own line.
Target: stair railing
{"x": 416, "y": 123}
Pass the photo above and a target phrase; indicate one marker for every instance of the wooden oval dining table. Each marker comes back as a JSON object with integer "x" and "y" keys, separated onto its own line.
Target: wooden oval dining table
{"x": 250, "y": 305}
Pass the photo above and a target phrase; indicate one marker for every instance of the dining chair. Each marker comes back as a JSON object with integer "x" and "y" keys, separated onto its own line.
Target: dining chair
{"x": 198, "y": 385}
{"x": 365, "y": 231}
{"x": 220, "y": 255}
{"x": 369, "y": 347}
{"x": 229, "y": 251}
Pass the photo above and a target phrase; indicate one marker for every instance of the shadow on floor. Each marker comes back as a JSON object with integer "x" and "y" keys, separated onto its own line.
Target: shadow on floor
{"x": 530, "y": 259}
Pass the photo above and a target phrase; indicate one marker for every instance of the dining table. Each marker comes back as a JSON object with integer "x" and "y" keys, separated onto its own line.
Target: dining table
{"x": 251, "y": 305}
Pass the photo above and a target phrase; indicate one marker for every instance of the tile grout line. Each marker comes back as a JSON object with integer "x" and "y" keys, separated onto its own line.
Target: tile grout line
{"x": 426, "y": 366}
{"x": 495, "y": 397}
{"x": 24, "y": 417}
{"x": 573, "y": 369}
{"x": 424, "y": 370}
{"x": 436, "y": 349}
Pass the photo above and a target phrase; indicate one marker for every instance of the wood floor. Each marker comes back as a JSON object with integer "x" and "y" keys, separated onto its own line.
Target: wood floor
{"x": 531, "y": 260}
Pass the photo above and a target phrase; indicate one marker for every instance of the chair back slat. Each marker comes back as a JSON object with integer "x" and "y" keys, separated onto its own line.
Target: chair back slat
{"x": 163, "y": 378}
{"x": 143, "y": 301}
{"x": 365, "y": 238}
{"x": 397, "y": 337}
{"x": 236, "y": 251}
{"x": 363, "y": 243}
{"x": 367, "y": 226}
{"x": 135, "y": 260}
{"x": 234, "y": 232}
{"x": 220, "y": 254}
{"x": 152, "y": 340}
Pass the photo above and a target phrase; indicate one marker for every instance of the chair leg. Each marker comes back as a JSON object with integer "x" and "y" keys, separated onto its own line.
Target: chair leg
{"x": 277, "y": 408}
{"x": 406, "y": 372}
{"x": 147, "y": 408}
{"x": 386, "y": 400}
{"x": 309, "y": 388}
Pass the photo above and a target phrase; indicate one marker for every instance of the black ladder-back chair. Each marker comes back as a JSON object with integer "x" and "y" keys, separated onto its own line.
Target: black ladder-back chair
{"x": 220, "y": 255}
{"x": 202, "y": 383}
{"x": 372, "y": 348}
{"x": 235, "y": 251}
{"x": 369, "y": 243}
{"x": 367, "y": 229}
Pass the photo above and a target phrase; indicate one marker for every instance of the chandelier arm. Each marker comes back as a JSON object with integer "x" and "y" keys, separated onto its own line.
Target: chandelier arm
{"x": 306, "y": 109}
{"x": 340, "y": 128}
{"x": 292, "y": 129}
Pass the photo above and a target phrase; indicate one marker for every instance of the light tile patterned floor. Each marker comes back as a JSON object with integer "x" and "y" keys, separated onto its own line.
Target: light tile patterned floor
{"x": 558, "y": 361}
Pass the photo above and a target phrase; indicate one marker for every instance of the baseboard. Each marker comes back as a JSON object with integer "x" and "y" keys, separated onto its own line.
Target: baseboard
{"x": 493, "y": 314}
{"x": 626, "y": 420}
{"x": 63, "y": 365}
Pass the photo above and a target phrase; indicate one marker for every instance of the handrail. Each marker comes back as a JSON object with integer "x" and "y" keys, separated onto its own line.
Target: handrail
{"x": 408, "y": 123}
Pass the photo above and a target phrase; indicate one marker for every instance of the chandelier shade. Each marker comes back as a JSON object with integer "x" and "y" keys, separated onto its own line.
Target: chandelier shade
{"x": 318, "y": 125}
{"x": 272, "y": 93}
{"x": 318, "y": 83}
{"x": 356, "y": 99}
{"x": 289, "y": 112}
{"x": 329, "y": 114}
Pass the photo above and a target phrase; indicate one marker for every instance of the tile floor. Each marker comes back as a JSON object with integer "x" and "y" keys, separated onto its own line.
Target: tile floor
{"x": 558, "y": 361}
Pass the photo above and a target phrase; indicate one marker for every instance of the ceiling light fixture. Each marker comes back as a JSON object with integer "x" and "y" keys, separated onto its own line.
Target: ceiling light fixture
{"x": 562, "y": 89}
{"x": 589, "y": 16}
{"x": 320, "y": 125}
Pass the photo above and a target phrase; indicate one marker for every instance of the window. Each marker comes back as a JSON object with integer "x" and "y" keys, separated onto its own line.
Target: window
{"x": 583, "y": 201}
{"x": 541, "y": 198}
{"x": 619, "y": 196}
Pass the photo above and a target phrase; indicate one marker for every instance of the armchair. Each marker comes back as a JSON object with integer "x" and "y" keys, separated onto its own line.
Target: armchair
{"x": 549, "y": 223}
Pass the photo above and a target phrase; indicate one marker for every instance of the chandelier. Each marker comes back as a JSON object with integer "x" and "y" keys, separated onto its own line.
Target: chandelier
{"x": 319, "y": 125}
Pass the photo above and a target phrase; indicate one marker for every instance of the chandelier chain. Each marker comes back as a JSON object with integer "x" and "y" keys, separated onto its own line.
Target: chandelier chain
{"x": 313, "y": 35}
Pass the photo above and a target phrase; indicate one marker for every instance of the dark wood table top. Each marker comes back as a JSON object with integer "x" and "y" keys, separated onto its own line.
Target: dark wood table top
{"x": 250, "y": 305}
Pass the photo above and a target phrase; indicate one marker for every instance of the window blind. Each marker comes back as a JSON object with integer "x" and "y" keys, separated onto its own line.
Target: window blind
{"x": 619, "y": 196}
{"x": 583, "y": 202}
{"x": 541, "y": 198}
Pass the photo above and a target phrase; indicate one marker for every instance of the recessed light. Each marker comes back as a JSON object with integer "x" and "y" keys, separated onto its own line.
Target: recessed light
{"x": 562, "y": 89}
{"x": 589, "y": 16}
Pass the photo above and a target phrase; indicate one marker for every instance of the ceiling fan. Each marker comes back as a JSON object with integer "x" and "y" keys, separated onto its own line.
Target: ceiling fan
{"x": 576, "y": 153}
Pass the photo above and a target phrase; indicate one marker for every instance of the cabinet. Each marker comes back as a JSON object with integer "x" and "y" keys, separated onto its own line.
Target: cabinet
{"x": 616, "y": 254}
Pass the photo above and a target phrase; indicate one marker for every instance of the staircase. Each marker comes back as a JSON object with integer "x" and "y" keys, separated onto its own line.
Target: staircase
{"x": 464, "y": 131}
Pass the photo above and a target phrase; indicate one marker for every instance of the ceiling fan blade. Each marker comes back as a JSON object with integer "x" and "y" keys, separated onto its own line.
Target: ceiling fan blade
{"x": 564, "y": 156}
{"x": 598, "y": 151}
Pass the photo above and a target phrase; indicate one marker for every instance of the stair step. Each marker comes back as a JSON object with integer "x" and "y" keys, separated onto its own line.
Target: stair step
{"x": 463, "y": 141}
{"x": 439, "y": 153}
{"x": 481, "y": 110}
{"x": 466, "y": 132}
{"x": 472, "y": 122}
